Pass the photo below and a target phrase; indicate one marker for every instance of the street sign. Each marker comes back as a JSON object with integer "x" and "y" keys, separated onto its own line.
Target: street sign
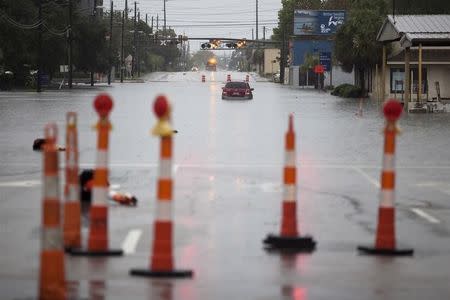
{"x": 63, "y": 68}
{"x": 319, "y": 69}
{"x": 325, "y": 60}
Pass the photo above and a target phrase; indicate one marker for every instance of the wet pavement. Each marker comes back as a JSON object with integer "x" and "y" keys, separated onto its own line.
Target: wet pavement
{"x": 228, "y": 160}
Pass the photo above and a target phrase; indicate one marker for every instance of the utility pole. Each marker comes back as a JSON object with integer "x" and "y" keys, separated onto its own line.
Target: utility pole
{"x": 122, "y": 65}
{"x": 138, "y": 65}
{"x": 256, "y": 19}
{"x": 94, "y": 16}
{"x": 151, "y": 28}
{"x": 283, "y": 56}
{"x": 126, "y": 9}
{"x": 133, "y": 61}
{"x": 157, "y": 22}
{"x": 146, "y": 23}
{"x": 38, "y": 85}
{"x": 253, "y": 33}
{"x": 110, "y": 41}
{"x": 264, "y": 32}
{"x": 164, "y": 28}
{"x": 70, "y": 45}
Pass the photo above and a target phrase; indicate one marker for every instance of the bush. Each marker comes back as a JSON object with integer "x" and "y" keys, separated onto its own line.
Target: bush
{"x": 347, "y": 91}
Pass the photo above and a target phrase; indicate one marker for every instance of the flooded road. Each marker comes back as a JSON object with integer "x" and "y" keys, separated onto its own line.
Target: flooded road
{"x": 228, "y": 166}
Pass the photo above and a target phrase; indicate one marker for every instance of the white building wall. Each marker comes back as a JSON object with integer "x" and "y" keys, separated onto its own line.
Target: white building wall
{"x": 340, "y": 77}
{"x": 269, "y": 56}
{"x": 435, "y": 73}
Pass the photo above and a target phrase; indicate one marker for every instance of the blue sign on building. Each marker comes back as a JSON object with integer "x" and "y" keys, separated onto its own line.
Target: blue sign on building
{"x": 325, "y": 60}
{"x": 317, "y": 22}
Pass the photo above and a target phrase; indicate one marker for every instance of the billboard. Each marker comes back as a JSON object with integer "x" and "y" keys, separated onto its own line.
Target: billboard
{"x": 317, "y": 22}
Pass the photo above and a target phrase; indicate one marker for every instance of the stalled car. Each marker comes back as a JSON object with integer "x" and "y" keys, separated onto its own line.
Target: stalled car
{"x": 237, "y": 90}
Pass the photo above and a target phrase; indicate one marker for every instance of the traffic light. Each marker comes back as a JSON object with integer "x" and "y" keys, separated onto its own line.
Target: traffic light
{"x": 231, "y": 45}
{"x": 206, "y": 46}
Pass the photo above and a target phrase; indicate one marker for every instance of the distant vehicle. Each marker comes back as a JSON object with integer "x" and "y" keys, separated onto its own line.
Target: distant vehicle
{"x": 194, "y": 69}
{"x": 276, "y": 77}
{"x": 237, "y": 90}
{"x": 211, "y": 64}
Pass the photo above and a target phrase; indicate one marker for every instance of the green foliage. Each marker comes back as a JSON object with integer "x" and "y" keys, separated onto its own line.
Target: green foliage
{"x": 347, "y": 91}
{"x": 415, "y": 7}
{"x": 19, "y": 33}
{"x": 309, "y": 62}
{"x": 356, "y": 39}
{"x": 201, "y": 57}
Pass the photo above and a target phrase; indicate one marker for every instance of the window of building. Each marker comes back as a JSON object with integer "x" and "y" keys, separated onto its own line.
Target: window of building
{"x": 398, "y": 77}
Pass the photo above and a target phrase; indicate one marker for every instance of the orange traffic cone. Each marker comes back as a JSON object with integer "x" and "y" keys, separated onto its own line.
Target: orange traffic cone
{"x": 52, "y": 276}
{"x": 385, "y": 243}
{"x": 161, "y": 261}
{"x": 72, "y": 208}
{"x": 98, "y": 228}
{"x": 289, "y": 238}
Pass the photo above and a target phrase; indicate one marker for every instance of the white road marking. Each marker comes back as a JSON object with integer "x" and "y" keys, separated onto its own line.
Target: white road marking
{"x": 270, "y": 187}
{"x": 367, "y": 176}
{"x": 424, "y": 215}
{"x": 175, "y": 169}
{"x": 114, "y": 186}
{"x": 25, "y": 183}
{"x": 131, "y": 240}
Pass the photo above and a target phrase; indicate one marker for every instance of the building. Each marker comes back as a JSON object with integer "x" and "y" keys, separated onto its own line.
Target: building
{"x": 313, "y": 44}
{"x": 271, "y": 61}
{"x": 420, "y": 53}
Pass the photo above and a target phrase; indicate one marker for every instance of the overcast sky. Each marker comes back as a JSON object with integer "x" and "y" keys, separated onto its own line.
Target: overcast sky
{"x": 210, "y": 18}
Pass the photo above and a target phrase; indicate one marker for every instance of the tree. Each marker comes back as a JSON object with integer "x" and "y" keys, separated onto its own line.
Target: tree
{"x": 356, "y": 43}
{"x": 90, "y": 47}
{"x": 421, "y": 7}
{"x": 201, "y": 57}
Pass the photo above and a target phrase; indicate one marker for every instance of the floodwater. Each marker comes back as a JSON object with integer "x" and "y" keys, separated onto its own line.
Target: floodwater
{"x": 228, "y": 163}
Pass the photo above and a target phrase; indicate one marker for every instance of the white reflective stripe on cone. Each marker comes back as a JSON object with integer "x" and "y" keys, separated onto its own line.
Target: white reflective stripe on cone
{"x": 164, "y": 211}
{"x": 387, "y": 198}
{"x": 102, "y": 159}
{"x": 289, "y": 192}
{"x": 165, "y": 169}
{"x": 388, "y": 162}
{"x": 290, "y": 158}
{"x": 100, "y": 195}
{"x": 51, "y": 238}
{"x": 51, "y": 187}
{"x": 73, "y": 192}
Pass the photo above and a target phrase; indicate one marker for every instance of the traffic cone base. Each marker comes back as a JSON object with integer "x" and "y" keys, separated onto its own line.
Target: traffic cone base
{"x": 290, "y": 243}
{"x": 84, "y": 252}
{"x": 385, "y": 252}
{"x": 52, "y": 276}
{"x": 162, "y": 274}
{"x": 97, "y": 242}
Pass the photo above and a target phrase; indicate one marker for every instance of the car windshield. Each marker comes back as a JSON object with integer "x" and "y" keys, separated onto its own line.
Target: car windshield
{"x": 236, "y": 85}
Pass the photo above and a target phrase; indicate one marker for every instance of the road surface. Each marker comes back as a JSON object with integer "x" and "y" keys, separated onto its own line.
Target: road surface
{"x": 228, "y": 160}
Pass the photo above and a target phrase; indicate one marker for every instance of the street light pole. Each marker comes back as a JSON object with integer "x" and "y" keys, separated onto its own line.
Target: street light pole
{"x": 38, "y": 86}
{"x": 164, "y": 29}
{"x": 70, "y": 44}
{"x": 138, "y": 67}
{"x": 94, "y": 12}
{"x": 133, "y": 61}
{"x": 121, "y": 48}
{"x": 256, "y": 20}
{"x": 110, "y": 42}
